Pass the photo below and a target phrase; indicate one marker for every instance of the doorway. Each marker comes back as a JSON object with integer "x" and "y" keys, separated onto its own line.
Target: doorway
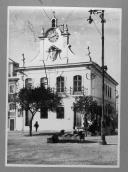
{"x": 12, "y": 125}
{"x": 77, "y": 120}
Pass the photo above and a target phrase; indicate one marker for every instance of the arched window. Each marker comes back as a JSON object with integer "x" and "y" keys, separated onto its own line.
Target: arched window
{"x": 60, "y": 84}
{"x": 77, "y": 83}
{"x": 53, "y": 22}
{"x": 28, "y": 83}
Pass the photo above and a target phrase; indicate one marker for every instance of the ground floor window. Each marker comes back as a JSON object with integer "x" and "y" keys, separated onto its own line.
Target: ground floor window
{"x": 12, "y": 124}
{"x": 78, "y": 120}
{"x": 44, "y": 113}
{"x": 60, "y": 112}
{"x": 26, "y": 118}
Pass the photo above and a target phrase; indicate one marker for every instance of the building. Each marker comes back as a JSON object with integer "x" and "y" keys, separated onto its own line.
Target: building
{"x": 66, "y": 73}
{"x": 12, "y": 88}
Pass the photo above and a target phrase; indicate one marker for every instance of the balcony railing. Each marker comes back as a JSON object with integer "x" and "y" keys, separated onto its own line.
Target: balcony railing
{"x": 71, "y": 91}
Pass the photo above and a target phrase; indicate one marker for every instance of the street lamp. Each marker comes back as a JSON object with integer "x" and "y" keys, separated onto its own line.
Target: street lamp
{"x": 90, "y": 20}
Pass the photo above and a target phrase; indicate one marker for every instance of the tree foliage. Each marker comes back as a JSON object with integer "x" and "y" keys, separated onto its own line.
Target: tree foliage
{"x": 89, "y": 108}
{"x": 85, "y": 105}
{"x": 34, "y": 99}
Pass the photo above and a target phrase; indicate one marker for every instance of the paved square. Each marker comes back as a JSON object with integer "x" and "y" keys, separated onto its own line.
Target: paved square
{"x": 26, "y": 150}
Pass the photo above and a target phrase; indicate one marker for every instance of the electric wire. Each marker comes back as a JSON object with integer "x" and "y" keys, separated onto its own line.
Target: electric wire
{"x": 46, "y": 14}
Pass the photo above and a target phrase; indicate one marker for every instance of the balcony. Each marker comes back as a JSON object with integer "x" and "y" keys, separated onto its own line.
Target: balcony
{"x": 70, "y": 91}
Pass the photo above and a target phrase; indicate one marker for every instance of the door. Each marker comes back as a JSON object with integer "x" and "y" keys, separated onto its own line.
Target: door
{"x": 11, "y": 124}
{"x": 77, "y": 120}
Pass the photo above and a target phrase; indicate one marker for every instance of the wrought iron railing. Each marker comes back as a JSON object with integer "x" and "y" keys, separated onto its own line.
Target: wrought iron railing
{"x": 71, "y": 91}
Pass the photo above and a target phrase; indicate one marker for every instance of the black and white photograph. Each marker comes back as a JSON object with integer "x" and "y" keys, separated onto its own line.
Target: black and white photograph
{"x": 63, "y": 86}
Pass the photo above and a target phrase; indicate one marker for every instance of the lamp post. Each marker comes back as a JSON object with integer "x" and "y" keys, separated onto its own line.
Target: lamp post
{"x": 90, "y": 20}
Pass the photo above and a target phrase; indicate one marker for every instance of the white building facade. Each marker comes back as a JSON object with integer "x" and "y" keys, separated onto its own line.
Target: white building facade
{"x": 67, "y": 75}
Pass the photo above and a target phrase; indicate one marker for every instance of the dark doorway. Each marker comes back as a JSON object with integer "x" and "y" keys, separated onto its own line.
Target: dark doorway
{"x": 11, "y": 124}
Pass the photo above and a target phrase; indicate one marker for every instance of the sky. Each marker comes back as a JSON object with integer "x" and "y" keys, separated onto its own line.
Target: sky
{"x": 25, "y": 24}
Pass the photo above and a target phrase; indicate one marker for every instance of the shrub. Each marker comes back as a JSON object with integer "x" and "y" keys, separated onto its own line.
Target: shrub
{"x": 55, "y": 138}
{"x": 75, "y": 132}
{"x": 62, "y": 132}
{"x": 81, "y": 135}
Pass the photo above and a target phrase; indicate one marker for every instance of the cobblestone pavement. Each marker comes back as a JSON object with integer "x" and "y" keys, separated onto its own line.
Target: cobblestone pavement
{"x": 25, "y": 150}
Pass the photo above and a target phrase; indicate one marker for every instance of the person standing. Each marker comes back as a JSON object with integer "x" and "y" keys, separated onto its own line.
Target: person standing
{"x": 36, "y": 125}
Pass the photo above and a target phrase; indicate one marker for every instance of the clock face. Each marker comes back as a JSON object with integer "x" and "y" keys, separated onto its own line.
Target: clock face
{"x": 53, "y": 35}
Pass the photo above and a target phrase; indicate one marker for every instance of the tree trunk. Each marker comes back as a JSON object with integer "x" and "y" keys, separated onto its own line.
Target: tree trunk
{"x": 86, "y": 132}
{"x": 30, "y": 128}
{"x": 85, "y": 124}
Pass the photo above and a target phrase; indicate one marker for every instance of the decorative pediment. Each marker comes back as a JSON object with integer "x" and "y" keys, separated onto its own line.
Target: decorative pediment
{"x": 54, "y": 52}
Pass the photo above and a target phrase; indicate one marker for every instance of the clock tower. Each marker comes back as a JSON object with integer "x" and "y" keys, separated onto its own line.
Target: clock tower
{"x": 54, "y": 42}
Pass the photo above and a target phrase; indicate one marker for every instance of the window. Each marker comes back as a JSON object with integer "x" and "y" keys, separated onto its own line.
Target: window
{"x": 9, "y": 70}
{"x": 44, "y": 113}
{"x": 26, "y": 118}
{"x": 60, "y": 84}
{"x": 106, "y": 90}
{"x": 60, "y": 112}
{"x": 77, "y": 82}
{"x": 20, "y": 113}
{"x": 11, "y": 88}
{"x": 12, "y": 107}
{"x": 78, "y": 119}
{"x": 15, "y": 66}
{"x": 54, "y": 22}
{"x": 28, "y": 83}
{"x": 110, "y": 92}
{"x": 43, "y": 81}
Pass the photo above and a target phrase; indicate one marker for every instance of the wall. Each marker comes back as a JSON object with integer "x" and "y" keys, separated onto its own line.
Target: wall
{"x": 52, "y": 123}
{"x": 96, "y": 85}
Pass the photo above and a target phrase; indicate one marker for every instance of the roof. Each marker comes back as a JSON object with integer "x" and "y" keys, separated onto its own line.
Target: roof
{"x": 12, "y": 61}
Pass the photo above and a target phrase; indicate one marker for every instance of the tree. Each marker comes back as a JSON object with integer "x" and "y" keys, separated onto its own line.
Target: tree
{"x": 111, "y": 118}
{"x": 88, "y": 107}
{"x": 34, "y": 99}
